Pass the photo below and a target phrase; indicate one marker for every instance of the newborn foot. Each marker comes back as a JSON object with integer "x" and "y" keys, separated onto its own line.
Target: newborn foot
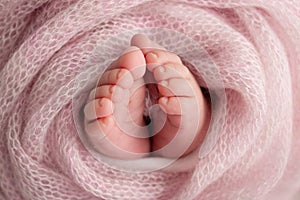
{"x": 180, "y": 99}
{"x": 114, "y": 114}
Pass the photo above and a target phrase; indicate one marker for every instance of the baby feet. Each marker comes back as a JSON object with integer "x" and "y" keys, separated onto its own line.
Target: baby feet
{"x": 114, "y": 114}
{"x": 115, "y": 109}
{"x": 180, "y": 99}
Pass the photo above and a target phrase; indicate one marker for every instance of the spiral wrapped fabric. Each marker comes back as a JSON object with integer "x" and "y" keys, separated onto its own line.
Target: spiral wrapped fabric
{"x": 50, "y": 50}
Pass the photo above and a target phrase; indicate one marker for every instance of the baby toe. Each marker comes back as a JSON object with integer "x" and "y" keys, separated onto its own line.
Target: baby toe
{"x": 170, "y": 105}
{"x": 171, "y": 70}
{"x": 113, "y": 92}
{"x": 133, "y": 60}
{"x": 98, "y": 108}
{"x": 175, "y": 87}
{"x": 178, "y": 106}
{"x": 144, "y": 43}
{"x": 121, "y": 77}
{"x": 160, "y": 57}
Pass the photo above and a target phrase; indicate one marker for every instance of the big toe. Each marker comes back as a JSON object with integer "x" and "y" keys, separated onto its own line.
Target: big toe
{"x": 144, "y": 43}
{"x": 133, "y": 60}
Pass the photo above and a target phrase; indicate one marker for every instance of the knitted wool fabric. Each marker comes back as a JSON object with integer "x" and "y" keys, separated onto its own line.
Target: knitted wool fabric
{"x": 51, "y": 51}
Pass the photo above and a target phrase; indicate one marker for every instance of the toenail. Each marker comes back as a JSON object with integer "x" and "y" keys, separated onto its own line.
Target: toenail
{"x": 100, "y": 102}
{"x": 153, "y": 55}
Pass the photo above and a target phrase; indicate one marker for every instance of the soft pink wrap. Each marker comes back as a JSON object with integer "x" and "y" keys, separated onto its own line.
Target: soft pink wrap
{"x": 45, "y": 44}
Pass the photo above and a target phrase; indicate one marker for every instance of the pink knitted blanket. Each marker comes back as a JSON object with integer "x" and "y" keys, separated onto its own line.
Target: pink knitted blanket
{"x": 248, "y": 52}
